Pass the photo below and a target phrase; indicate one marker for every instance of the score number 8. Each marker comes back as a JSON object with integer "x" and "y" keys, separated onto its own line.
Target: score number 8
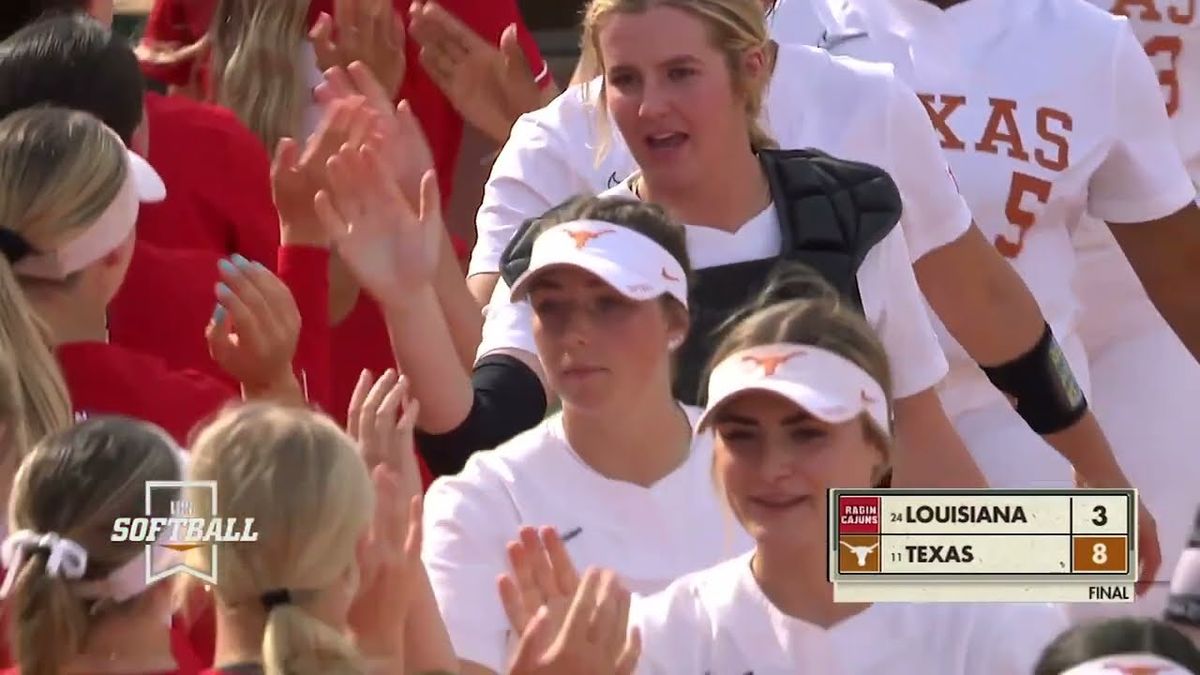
{"x": 1100, "y": 553}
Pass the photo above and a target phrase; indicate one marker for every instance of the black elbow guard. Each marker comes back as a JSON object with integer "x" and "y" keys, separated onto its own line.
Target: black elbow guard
{"x": 1047, "y": 396}
{"x": 509, "y": 398}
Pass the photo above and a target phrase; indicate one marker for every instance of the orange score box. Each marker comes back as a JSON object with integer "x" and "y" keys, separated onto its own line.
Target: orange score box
{"x": 1106, "y": 555}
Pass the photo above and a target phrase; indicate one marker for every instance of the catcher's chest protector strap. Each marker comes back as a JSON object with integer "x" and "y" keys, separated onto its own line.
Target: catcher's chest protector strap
{"x": 832, "y": 212}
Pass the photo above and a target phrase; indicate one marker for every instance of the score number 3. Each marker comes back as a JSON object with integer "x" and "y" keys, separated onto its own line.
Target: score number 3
{"x": 1022, "y": 218}
{"x": 1171, "y": 45}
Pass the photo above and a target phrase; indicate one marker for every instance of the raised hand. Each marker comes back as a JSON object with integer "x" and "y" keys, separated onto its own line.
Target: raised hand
{"x": 389, "y": 562}
{"x": 370, "y": 31}
{"x": 542, "y": 575}
{"x": 594, "y": 638}
{"x": 298, "y": 171}
{"x": 489, "y": 86}
{"x": 401, "y": 142}
{"x": 383, "y": 432}
{"x": 390, "y": 247}
{"x": 255, "y": 328}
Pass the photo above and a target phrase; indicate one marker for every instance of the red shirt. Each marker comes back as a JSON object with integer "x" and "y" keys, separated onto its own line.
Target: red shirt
{"x": 218, "y": 178}
{"x": 168, "y": 298}
{"x": 105, "y": 379}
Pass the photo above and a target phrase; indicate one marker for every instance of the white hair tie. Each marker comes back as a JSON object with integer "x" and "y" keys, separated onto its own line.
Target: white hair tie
{"x": 67, "y": 558}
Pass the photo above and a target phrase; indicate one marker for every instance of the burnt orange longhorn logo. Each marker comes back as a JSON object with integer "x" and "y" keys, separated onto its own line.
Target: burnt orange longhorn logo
{"x": 583, "y": 237}
{"x": 770, "y": 364}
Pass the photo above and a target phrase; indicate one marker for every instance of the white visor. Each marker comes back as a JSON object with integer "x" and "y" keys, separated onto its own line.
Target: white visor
{"x": 828, "y": 386}
{"x": 1186, "y": 579}
{"x": 632, "y": 263}
{"x": 1123, "y": 664}
{"x": 107, "y": 232}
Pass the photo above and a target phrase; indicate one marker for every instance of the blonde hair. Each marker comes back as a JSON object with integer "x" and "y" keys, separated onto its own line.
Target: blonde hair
{"x": 254, "y": 47}
{"x": 734, "y": 27}
{"x": 814, "y": 315}
{"x": 61, "y": 171}
{"x": 75, "y": 484}
{"x": 302, "y": 481}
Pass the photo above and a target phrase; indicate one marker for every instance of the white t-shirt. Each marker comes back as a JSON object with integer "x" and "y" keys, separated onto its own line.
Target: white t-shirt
{"x": 718, "y": 621}
{"x": 847, "y": 108}
{"x": 1169, "y": 31}
{"x": 1036, "y": 134}
{"x": 649, "y": 536}
{"x": 891, "y": 300}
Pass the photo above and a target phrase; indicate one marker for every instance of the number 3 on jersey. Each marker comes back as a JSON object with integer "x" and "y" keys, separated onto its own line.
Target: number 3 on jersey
{"x": 1023, "y": 188}
{"x": 1171, "y": 45}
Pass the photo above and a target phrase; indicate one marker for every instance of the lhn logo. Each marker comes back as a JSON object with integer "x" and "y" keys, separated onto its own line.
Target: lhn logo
{"x": 168, "y": 538}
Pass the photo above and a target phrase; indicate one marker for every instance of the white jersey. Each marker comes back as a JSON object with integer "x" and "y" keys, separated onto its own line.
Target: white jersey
{"x": 1037, "y": 136}
{"x": 648, "y": 536}
{"x": 847, "y": 108}
{"x": 892, "y": 302}
{"x": 1169, "y": 31}
{"x": 719, "y": 621}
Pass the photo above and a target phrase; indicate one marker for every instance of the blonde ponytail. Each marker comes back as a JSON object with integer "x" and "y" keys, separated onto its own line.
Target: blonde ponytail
{"x": 62, "y": 169}
{"x": 255, "y": 72}
{"x": 302, "y": 481}
{"x": 297, "y": 643}
{"x": 43, "y": 405}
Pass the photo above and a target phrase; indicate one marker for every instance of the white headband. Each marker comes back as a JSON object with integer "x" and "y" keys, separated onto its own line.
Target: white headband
{"x": 632, "y": 263}
{"x": 106, "y": 233}
{"x": 830, "y": 387}
{"x": 1124, "y": 664}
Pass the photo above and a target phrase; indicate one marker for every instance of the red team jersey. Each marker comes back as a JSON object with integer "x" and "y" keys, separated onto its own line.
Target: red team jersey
{"x": 362, "y": 337}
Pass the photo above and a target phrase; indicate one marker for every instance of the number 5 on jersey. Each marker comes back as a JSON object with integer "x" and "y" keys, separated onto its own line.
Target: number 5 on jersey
{"x": 1022, "y": 192}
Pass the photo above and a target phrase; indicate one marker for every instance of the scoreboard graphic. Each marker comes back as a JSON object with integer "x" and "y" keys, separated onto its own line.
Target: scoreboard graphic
{"x": 894, "y": 545}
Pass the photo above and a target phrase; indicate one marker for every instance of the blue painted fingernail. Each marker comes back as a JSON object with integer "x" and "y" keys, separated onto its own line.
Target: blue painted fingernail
{"x": 240, "y": 261}
{"x": 260, "y": 267}
{"x": 223, "y": 290}
{"x": 218, "y": 314}
{"x": 227, "y": 266}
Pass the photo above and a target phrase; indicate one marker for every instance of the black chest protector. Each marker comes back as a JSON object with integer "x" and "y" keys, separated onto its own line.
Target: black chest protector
{"x": 831, "y": 212}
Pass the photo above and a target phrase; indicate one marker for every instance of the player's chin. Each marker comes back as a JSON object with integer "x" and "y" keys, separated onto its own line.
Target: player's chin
{"x": 773, "y": 509}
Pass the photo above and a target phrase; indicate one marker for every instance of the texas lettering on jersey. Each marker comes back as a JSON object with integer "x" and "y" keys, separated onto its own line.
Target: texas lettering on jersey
{"x": 1046, "y": 145}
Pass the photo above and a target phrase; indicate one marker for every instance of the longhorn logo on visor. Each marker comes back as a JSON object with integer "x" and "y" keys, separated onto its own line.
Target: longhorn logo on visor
{"x": 584, "y": 237}
{"x": 770, "y": 364}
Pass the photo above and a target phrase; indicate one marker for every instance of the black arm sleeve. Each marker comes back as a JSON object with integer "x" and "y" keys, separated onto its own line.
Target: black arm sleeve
{"x": 509, "y": 398}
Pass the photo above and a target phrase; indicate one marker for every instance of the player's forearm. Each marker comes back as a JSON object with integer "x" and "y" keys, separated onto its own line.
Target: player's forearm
{"x": 980, "y": 298}
{"x": 464, "y": 320}
{"x": 427, "y": 643}
{"x": 1084, "y": 445}
{"x": 929, "y": 451}
{"x": 989, "y": 310}
{"x": 425, "y": 353}
{"x": 481, "y": 287}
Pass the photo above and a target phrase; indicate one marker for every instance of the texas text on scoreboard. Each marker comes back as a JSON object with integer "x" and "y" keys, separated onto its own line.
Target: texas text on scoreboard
{"x": 983, "y": 545}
